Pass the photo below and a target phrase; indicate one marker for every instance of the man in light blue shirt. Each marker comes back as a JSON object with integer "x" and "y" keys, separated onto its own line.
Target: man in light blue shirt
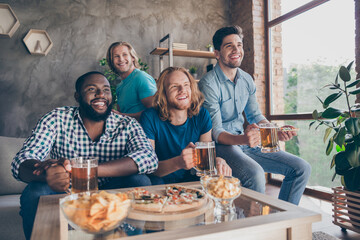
{"x": 230, "y": 92}
{"x": 136, "y": 89}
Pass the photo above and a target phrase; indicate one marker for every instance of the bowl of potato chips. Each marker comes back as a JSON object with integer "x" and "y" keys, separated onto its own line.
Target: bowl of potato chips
{"x": 223, "y": 190}
{"x": 95, "y": 212}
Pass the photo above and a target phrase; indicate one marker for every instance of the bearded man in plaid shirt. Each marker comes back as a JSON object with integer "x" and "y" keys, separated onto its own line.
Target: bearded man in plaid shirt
{"x": 90, "y": 130}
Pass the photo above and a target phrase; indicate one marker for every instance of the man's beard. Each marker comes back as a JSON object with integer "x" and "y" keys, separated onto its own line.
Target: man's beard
{"x": 230, "y": 64}
{"x": 88, "y": 112}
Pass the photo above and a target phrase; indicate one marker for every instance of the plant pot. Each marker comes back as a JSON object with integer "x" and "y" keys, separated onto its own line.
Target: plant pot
{"x": 353, "y": 204}
{"x": 346, "y": 209}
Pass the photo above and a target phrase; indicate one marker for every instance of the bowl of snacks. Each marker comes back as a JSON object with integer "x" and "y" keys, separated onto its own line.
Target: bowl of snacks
{"x": 223, "y": 190}
{"x": 95, "y": 212}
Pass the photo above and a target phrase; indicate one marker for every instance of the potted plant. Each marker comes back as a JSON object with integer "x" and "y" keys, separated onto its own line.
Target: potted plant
{"x": 343, "y": 131}
{"x": 192, "y": 71}
{"x": 210, "y": 47}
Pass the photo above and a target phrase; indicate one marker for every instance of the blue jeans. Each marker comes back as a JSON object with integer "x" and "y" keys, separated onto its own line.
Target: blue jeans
{"x": 250, "y": 164}
{"x": 30, "y": 196}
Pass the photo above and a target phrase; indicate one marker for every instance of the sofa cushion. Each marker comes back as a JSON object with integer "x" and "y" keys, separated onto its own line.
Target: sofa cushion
{"x": 10, "y": 220}
{"x": 8, "y": 148}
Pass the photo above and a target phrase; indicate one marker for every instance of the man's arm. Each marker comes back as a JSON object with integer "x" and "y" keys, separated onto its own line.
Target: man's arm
{"x": 141, "y": 157}
{"x": 148, "y": 103}
{"x": 183, "y": 161}
{"x": 121, "y": 167}
{"x": 54, "y": 173}
{"x": 35, "y": 149}
{"x": 26, "y": 172}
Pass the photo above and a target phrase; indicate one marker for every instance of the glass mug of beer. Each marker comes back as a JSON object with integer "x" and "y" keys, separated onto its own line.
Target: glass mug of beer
{"x": 204, "y": 158}
{"x": 269, "y": 137}
{"x": 84, "y": 174}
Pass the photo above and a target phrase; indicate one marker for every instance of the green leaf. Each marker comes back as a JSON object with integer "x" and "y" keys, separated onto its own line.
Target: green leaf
{"x": 331, "y": 98}
{"x": 352, "y": 153}
{"x": 353, "y": 83}
{"x": 349, "y": 65}
{"x": 312, "y": 123}
{"x": 342, "y": 181}
{"x": 320, "y": 100}
{"x": 352, "y": 125}
{"x": 344, "y": 74}
{"x": 321, "y": 123}
{"x": 331, "y": 113}
{"x": 352, "y": 179}
{"x": 355, "y": 92}
{"x": 329, "y": 147}
{"x": 340, "y": 149}
{"x": 340, "y": 137}
{"x": 337, "y": 79}
{"x": 341, "y": 163}
{"x": 333, "y": 177}
{"x": 327, "y": 133}
{"x": 315, "y": 114}
{"x": 332, "y": 164}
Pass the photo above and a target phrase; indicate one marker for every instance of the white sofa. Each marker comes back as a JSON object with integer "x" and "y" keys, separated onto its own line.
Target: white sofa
{"x": 10, "y": 190}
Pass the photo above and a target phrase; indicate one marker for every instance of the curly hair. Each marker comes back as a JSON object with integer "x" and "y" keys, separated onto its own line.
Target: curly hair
{"x": 160, "y": 100}
{"x": 110, "y": 55}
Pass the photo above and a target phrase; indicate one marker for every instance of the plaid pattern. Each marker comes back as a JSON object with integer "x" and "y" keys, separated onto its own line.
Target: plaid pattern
{"x": 62, "y": 134}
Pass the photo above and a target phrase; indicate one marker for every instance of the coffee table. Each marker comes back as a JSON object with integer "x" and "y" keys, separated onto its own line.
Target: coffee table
{"x": 258, "y": 217}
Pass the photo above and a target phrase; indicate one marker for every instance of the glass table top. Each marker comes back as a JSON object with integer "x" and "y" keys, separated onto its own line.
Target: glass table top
{"x": 245, "y": 208}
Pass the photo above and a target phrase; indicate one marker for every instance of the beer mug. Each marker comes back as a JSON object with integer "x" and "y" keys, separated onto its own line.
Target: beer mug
{"x": 269, "y": 137}
{"x": 204, "y": 158}
{"x": 84, "y": 172}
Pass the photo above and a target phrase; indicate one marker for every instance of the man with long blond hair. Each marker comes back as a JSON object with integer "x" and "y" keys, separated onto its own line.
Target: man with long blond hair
{"x": 136, "y": 88}
{"x": 175, "y": 123}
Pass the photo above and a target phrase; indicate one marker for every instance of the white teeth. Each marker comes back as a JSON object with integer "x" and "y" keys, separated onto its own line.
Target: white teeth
{"x": 99, "y": 103}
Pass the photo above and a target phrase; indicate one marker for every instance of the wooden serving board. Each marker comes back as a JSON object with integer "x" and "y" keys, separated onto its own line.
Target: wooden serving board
{"x": 173, "y": 216}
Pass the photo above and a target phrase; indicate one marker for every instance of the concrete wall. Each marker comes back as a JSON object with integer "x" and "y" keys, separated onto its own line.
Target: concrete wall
{"x": 81, "y": 32}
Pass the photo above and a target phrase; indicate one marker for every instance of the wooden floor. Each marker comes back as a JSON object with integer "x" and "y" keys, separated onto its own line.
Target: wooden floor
{"x": 323, "y": 207}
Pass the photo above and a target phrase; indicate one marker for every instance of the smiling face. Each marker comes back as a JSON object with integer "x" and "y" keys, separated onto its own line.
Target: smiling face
{"x": 95, "y": 98}
{"x": 231, "y": 52}
{"x": 123, "y": 61}
{"x": 178, "y": 91}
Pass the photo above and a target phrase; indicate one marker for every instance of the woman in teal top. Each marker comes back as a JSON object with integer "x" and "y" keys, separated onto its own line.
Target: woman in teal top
{"x": 136, "y": 89}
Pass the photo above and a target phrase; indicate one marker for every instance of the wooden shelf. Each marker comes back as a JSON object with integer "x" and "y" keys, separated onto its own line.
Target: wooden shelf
{"x": 183, "y": 53}
{"x": 9, "y": 23}
{"x": 38, "y": 42}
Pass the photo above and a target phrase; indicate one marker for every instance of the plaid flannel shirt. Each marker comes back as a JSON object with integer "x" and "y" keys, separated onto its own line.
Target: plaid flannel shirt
{"x": 62, "y": 133}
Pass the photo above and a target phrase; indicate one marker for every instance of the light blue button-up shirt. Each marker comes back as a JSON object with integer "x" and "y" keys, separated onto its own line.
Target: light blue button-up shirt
{"x": 226, "y": 101}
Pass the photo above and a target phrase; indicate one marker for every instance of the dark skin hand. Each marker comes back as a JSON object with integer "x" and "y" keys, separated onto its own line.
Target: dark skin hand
{"x": 43, "y": 166}
{"x": 51, "y": 171}
{"x": 58, "y": 178}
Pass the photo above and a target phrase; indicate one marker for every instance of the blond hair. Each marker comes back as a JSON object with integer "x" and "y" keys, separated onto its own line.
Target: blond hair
{"x": 160, "y": 101}
{"x": 110, "y": 55}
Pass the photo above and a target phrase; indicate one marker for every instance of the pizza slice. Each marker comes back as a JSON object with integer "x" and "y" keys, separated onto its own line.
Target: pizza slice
{"x": 143, "y": 200}
{"x": 182, "y": 198}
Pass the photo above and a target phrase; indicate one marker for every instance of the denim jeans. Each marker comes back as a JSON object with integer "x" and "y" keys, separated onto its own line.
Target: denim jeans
{"x": 250, "y": 164}
{"x": 30, "y": 196}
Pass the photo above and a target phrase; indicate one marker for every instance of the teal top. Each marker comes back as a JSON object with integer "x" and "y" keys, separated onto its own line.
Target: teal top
{"x": 138, "y": 85}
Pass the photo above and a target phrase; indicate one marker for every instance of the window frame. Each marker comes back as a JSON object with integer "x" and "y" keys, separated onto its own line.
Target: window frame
{"x": 268, "y": 103}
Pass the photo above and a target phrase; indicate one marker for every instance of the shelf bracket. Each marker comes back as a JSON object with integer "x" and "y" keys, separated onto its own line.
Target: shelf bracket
{"x": 170, "y": 51}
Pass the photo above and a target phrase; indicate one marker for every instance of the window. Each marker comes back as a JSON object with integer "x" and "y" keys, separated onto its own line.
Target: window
{"x": 307, "y": 45}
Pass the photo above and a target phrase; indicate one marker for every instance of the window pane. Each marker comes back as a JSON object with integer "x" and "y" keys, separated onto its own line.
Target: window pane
{"x": 309, "y": 146}
{"x": 280, "y": 7}
{"x": 306, "y": 52}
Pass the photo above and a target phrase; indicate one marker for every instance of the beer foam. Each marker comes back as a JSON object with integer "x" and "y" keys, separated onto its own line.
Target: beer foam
{"x": 205, "y": 147}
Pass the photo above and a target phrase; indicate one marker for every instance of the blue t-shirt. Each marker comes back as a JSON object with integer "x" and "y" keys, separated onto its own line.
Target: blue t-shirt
{"x": 138, "y": 85}
{"x": 170, "y": 140}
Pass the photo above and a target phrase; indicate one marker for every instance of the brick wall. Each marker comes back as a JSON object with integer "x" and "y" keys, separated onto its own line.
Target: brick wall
{"x": 357, "y": 41}
{"x": 252, "y": 22}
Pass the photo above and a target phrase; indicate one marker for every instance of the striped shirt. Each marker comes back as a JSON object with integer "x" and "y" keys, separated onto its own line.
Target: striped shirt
{"x": 62, "y": 133}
